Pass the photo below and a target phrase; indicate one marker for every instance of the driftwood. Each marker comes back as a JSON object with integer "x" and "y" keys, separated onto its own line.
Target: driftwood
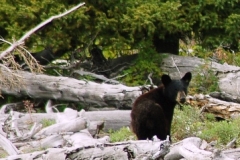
{"x": 69, "y": 138}
{"x": 112, "y": 119}
{"x": 74, "y": 141}
{"x": 70, "y": 89}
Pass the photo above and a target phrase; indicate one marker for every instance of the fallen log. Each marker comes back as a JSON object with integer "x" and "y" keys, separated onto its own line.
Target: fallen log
{"x": 221, "y": 109}
{"x": 189, "y": 148}
{"x": 112, "y": 119}
{"x": 70, "y": 89}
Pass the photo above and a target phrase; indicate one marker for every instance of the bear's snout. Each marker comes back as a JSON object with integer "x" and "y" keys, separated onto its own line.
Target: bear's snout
{"x": 181, "y": 97}
{"x": 183, "y": 100}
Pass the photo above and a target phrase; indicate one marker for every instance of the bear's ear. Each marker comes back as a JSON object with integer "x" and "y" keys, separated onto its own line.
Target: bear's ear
{"x": 166, "y": 79}
{"x": 187, "y": 77}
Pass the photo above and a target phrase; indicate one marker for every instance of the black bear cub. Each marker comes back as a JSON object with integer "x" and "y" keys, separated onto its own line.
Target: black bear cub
{"x": 152, "y": 112}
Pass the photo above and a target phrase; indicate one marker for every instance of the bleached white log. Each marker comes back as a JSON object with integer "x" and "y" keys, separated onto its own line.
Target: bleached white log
{"x": 14, "y": 124}
{"x": 219, "y": 155}
{"x": 84, "y": 139}
{"x": 232, "y": 143}
{"x": 232, "y": 153}
{"x": 53, "y": 141}
{"x": 8, "y": 146}
{"x": 108, "y": 153}
{"x": 120, "y": 150}
{"x": 67, "y": 115}
{"x": 1, "y": 131}
{"x": 35, "y": 128}
{"x": 112, "y": 119}
{"x": 163, "y": 149}
{"x": 141, "y": 152}
{"x": 49, "y": 108}
{"x": 70, "y": 89}
{"x": 82, "y": 113}
{"x": 28, "y": 156}
{"x": 55, "y": 154}
{"x": 189, "y": 148}
{"x": 94, "y": 127}
{"x": 70, "y": 126}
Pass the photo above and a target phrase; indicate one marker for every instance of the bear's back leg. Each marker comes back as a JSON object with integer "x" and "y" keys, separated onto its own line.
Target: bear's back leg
{"x": 148, "y": 119}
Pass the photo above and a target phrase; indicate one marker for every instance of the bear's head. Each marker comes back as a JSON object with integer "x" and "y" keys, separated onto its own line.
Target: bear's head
{"x": 176, "y": 90}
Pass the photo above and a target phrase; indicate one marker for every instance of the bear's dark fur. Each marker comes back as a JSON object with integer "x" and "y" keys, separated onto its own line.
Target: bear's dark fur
{"x": 152, "y": 112}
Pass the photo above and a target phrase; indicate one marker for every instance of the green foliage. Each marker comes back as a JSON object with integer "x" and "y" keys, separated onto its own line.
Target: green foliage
{"x": 148, "y": 62}
{"x": 210, "y": 117}
{"x": 185, "y": 123}
{"x": 47, "y": 122}
{"x": 119, "y": 24}
{"x": 205, "y": 81}
{"x": 123, "y": 134}
{"x": 3, "y": 154}
{"x": 236, "y": 59}
{"x": 201, "y": 52}
{"x": 212, "y": 20}
{"x": 223, "y": 132}
{"x": 232, "y": 25}
{"x": 61, "y": 108}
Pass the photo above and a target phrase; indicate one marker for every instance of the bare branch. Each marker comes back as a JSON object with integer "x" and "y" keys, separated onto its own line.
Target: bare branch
{"x": 176, "y": 67}
{"x": 24, "y": 37}
{"x": 101, "y": 77}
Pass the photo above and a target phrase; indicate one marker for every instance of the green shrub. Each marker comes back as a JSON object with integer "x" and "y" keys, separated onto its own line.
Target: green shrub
{"x": 185, "y": 123}
{"x": 222, "y": 132}
{"x": 236, "y": 60}
{"x": 205, "y": 81}
{"x": 210, "y": 117}
{"x": 148, "y": 61}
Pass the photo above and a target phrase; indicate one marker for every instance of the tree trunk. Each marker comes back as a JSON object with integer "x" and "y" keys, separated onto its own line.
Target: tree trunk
{"x": 170, "y": 44}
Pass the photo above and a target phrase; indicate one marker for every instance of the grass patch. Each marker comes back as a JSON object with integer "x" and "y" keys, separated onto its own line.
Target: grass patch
{"x": 123, "y": 134}
{"x": 3, "y": 153}
{"x": 188, "y": 122}
{"x": 47, "y": 122}
{"x": 222, "y": 132}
